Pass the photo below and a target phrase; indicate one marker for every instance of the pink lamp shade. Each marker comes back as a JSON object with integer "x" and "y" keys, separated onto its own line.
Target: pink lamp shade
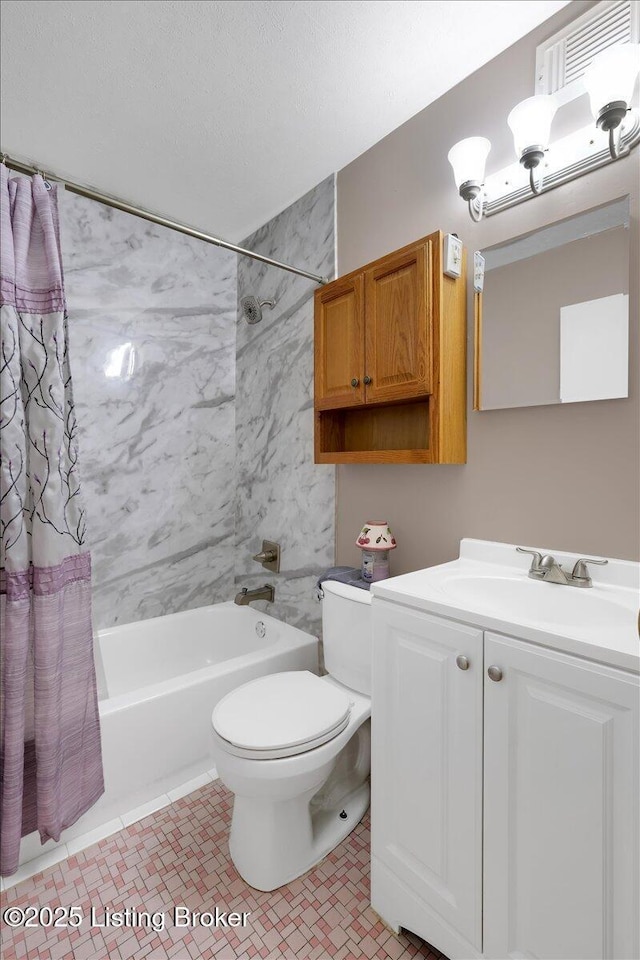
{"x": 376, "y": 535}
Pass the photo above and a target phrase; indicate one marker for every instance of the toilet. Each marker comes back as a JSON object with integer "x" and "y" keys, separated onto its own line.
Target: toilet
{"x": 295, "y": 749}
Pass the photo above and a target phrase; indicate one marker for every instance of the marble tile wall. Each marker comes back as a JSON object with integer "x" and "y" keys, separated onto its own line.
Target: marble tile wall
{"x": 152, "y": 342}
{"x": 281, "y": 494}
{"x": 184, "y": 469}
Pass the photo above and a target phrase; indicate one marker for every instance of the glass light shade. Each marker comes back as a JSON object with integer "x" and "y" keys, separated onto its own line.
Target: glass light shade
{"x": 376, "y": 535}
{"x": 468, "y": 159}
{"x": 530, "y": 122}
{"x": 612, "y": 75}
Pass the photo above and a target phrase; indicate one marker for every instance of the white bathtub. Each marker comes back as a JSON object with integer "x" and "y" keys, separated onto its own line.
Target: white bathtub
{"x": 163, "y": 679}
{"x": 158, "y": 682}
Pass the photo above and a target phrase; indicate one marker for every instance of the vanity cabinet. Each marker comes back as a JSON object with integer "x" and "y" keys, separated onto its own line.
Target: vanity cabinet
{"x": 561, "y": 806}
{"x": 390, "y": 361}
{"x": 426, "y": 764}
{"x": 504, "y": 793}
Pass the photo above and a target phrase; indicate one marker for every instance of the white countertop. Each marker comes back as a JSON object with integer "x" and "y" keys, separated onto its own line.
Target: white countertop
{"x": 440, "y": 590}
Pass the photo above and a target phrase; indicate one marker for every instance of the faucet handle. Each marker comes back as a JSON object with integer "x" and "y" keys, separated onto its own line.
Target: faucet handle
{"x": 537, "y": 557}
{"x": 266, "y": 556}
{"x": 269, "y": 556}
{"x": 580, "y": 571}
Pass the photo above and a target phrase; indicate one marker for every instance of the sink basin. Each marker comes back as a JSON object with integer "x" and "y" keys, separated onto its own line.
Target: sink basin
{"x": 488, "y": 587}
{"x": 534, "y": 601}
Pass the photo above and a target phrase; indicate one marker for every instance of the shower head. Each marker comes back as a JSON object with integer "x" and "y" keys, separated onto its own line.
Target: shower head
{"x": 252, "y": 308}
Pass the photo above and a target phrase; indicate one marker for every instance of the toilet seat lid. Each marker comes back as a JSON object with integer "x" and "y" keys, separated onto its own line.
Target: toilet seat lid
{"x": 280, "y": 712}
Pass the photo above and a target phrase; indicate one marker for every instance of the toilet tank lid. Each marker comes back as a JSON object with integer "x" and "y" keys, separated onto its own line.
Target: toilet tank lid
{"x": 345, "y": 590}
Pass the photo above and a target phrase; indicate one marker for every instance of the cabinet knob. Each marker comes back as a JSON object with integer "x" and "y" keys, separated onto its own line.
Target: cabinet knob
{"x": 355, "y": 382}
{"x": 495, "y": 673}
{"x": 367, "y": 381}
{"x": 462, "y": 662}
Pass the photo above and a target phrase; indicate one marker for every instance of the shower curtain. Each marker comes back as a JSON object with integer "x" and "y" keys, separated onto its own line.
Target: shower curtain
{"x": 50, "y": 756}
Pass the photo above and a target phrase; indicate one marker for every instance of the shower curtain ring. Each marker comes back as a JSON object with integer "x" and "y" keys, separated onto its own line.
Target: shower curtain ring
{"x": 42, "y": 174}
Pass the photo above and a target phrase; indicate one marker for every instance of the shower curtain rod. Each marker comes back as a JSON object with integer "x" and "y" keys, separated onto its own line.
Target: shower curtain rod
{"x": 20, "y": 167}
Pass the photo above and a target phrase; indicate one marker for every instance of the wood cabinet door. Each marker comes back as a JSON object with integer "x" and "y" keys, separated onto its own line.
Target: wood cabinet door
{"x": 339, "y": 344}
{"x": 426, "y": 767}
{"x": 561, "y": 806}
{"x": 398, "y": 306}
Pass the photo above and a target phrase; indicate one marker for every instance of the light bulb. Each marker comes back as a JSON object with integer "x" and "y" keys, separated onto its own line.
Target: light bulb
{"x": 530, "y": 123}
{"x": 610, "y": 80}
{"x": 468, "y": 159}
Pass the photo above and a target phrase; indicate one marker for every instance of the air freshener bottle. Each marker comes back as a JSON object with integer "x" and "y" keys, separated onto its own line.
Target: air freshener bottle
{"x": 375, "y": 566}
{"x": 375, "y": 541}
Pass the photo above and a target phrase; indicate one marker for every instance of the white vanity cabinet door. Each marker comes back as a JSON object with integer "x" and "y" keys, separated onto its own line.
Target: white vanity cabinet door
{"x": 427, "y": 773}
{"x": 561, "y": 806}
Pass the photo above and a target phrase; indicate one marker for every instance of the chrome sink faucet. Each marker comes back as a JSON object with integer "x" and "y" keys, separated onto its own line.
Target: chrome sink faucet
{"x": 548, "y": 569}
{"x": 245, "y": 596}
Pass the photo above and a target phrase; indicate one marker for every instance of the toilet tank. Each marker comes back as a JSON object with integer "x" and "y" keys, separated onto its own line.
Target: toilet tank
{"x": 346, "y": 635}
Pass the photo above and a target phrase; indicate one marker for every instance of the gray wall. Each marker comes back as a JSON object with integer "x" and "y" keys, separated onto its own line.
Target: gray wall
{"x": 561, "y": 476}
{"x": 157, "y": 445}
{"x": 281, "y": 494}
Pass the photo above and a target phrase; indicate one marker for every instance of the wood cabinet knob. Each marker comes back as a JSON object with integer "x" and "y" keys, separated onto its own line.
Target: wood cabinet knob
{"x": 367, "y": 381}
{"x": 355, "y": 382}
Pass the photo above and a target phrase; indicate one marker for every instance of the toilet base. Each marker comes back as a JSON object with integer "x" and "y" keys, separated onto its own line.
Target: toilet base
{"x": 308, "y": 838}
{"x": 287, "y": 811}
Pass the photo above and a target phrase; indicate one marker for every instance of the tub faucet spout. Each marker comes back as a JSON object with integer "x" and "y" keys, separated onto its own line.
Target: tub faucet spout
{"x": 245, "y": 596}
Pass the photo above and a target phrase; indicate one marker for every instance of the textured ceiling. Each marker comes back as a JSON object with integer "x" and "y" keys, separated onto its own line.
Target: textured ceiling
{"x": 220, "y": 113}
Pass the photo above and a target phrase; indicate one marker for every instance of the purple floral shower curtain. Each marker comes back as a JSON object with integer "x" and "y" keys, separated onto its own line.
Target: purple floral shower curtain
{"x": 50, "y": 756}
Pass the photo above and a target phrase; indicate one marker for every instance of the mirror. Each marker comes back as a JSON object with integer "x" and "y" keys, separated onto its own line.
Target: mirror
{"x": 552, "y": 321}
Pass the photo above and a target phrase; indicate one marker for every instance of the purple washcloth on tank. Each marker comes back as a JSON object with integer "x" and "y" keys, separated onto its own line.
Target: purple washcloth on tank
{"x": 349, "y": 575}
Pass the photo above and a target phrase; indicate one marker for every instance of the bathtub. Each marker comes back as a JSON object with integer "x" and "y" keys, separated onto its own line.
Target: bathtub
{"x": 158, "y": 683}
{"x": 164, "y": 677}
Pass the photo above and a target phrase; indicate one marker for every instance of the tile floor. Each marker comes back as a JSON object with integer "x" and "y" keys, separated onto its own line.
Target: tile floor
{"x": 179, "y": 857}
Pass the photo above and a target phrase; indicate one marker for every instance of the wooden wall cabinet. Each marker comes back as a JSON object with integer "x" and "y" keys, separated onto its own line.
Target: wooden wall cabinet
{"x": 390, "y": 361}
{"x": 339, "y": 343}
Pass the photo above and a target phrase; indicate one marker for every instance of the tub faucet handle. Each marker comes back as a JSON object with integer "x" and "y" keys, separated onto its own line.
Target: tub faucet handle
{"x": 269, "y": 556}
{"x": 266, "y": 556}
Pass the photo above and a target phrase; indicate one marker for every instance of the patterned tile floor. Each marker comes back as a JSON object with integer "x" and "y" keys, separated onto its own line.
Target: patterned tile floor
{"x": 179, "y": 856}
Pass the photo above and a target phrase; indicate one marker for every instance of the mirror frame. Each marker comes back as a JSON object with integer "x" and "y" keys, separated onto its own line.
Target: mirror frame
{"x": 477, "y": 350}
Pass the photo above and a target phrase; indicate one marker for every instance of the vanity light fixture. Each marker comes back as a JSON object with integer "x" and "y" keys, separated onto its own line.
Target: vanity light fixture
{"x": 610, "y": 81}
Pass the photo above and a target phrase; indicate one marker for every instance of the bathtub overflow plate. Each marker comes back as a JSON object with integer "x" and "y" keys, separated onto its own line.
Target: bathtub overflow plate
{"x": 260, "y": 629}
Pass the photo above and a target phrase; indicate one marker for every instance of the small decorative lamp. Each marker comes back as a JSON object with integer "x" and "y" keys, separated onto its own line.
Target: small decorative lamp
{"x": 375, "y": 541}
